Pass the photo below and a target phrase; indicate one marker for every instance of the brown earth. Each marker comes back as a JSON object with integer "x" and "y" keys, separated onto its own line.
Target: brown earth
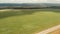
{"x": 55, "y": 32}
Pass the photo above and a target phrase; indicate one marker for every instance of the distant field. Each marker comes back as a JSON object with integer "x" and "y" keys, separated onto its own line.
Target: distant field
{"x": 27, "y": 21}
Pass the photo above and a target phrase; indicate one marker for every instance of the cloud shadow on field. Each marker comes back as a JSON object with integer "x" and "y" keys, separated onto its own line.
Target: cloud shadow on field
{"x": 22, "y": 12}
{"x": 15, "y": 13}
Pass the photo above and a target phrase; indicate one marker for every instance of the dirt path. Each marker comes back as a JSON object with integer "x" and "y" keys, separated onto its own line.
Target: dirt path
{"x": 4, "y": 10}
{"x": 55, "y": 32}
{"x": 49, "y": 30}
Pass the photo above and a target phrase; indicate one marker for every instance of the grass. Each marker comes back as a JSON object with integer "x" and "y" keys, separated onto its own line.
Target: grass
{"x": 27, "y": 21}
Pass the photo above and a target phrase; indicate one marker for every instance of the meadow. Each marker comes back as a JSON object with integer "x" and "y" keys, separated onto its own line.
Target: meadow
{"x": 27, "y": 21}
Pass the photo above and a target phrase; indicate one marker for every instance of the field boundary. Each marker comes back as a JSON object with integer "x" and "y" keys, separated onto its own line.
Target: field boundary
{"x": 49, "y": 30}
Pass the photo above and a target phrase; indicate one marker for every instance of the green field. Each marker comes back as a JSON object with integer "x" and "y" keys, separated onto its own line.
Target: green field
{"x": 27, "y": 21}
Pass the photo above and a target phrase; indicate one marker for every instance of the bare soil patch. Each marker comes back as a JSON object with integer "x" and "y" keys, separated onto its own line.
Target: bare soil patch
{"x": 55, "y": 32}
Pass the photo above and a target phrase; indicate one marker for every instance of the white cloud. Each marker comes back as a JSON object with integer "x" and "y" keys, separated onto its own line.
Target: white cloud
{"x": 22, "y": 1}
{"x": 28, "y": 1}
{"x": 54, "y": 1}
{"x": 57, "y": 0}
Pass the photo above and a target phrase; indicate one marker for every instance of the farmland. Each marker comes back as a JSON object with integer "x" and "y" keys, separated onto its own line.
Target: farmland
{"x": 28, "y": 21}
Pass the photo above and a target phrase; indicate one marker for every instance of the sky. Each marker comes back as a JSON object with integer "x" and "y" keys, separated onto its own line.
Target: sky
{"x": 29, "y": 1}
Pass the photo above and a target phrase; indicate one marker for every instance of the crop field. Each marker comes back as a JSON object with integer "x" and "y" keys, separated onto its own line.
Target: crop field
{"x": 27, "y": 21}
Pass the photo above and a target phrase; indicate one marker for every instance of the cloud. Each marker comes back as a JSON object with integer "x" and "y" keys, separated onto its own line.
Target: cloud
{"x": 28, "y": 1}
{"x": 57, "y": 0}
{"x": 22, "y": 1}
{"x": 53, "y": 1}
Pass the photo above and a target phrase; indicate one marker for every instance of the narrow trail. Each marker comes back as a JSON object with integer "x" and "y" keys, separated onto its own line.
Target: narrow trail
{"x": 49, "y": 30}
{"x": 4, "y": 10}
